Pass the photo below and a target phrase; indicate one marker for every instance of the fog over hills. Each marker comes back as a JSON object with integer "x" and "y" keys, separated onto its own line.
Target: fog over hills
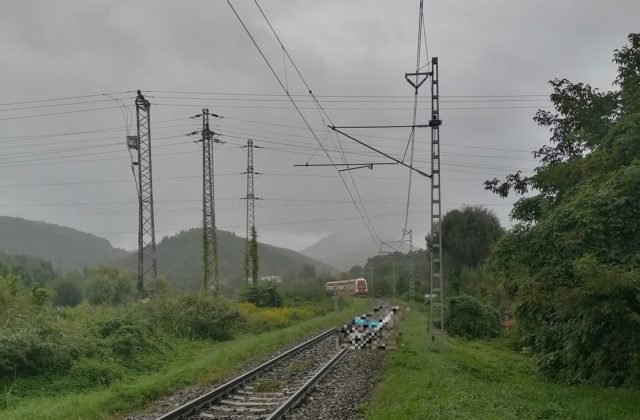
{"x": 67, "y": 249}
{"x": 179, "y": 256}
{"x": 342, "y": 250}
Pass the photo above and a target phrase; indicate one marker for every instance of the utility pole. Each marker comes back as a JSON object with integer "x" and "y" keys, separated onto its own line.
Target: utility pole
{"x": 147, "y": 269}
{"x": 251, "y": 251}
{"x": 372, "y": 290}
{"x": 436, "y": 308}
{"x": 209, "y": 240}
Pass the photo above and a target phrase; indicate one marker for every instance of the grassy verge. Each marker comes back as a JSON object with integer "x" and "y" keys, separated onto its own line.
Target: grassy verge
{"x": 190, "y": 362}
{"x": 482, "y": 380}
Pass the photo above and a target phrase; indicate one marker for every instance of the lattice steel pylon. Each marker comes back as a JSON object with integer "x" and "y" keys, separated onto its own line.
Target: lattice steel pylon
{"x": 209, "y": 239}
{"x": 251, "y": 269}
{"x": 147, "y": 269}
{"x": 412, "y": 285}
{"x": 436, "y": 289}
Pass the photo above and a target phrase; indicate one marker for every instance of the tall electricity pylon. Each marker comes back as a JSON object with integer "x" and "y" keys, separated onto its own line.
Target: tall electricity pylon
{"x": 250, "y": 259}
{"x": 436, "y": 293}
{"x": 147, "y": 269}
{"x": 209, "y": 240}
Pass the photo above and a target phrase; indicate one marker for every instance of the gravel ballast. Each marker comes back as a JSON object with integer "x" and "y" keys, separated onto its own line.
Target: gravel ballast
{"x": 345, "y": 389}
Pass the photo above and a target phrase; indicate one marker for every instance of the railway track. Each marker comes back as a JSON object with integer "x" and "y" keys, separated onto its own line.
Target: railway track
{"x": 270, "y": 390}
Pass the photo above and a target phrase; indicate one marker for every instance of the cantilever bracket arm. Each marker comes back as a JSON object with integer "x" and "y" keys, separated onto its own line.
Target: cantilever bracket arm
{"x": 399, "y": 162}
{"x": 416, "y": 86}
{"x": 369, "y": 165}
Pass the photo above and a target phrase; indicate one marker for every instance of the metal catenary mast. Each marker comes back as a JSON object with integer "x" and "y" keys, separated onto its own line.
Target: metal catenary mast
{"x": 147, "y": 270}
{"x": 436, "y": 289}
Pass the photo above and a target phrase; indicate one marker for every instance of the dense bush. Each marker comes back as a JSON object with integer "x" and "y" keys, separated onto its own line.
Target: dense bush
{"x": 197, "y": 317}
{"x": 128, "y": 335}
{"x": 262, "y": 294}
{"x": 469, "y": 318}
{"x": 89, "y": 373}
{"x": 109, "y": 286}
{"x": 67, "y": 294}
{"x": 31, "y": 349}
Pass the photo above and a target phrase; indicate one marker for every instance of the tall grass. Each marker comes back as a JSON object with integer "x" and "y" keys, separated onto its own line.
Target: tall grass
{"x": 139, "y": 359}
{"x": 482, "y": 380}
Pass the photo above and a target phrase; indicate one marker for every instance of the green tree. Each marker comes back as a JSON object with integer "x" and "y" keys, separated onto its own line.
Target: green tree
{"x": 40, "y": 296}
{"x": 111, "y": 286}
{"x": 469, "y": 233}
{"x": 263, "y": 294}
{"x": 467, "y": 237}
{"x": 571, "y": 263}
{"x": 68, "y": 293}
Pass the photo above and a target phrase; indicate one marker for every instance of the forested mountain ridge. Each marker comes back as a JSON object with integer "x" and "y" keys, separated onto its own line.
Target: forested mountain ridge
{"x": 65, "y": 248}
{"x": 180, "y": 259}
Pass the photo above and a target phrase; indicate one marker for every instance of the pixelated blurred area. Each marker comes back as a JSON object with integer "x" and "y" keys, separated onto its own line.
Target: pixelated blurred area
{"x": 377, "y": 330}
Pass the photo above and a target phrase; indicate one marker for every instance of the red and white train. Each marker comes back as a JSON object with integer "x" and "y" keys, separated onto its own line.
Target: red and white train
{"x": 354, "y": 287}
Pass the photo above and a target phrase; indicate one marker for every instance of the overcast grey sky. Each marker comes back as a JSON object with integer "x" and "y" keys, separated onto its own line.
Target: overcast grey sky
{"x": 346, "y": 50}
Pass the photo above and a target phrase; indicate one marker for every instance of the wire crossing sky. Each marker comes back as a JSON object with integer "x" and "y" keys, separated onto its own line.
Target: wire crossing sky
{"x": 68, "y": 83}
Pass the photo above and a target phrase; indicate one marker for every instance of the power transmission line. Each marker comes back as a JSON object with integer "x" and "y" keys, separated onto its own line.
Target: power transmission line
{"x": 251, "y": 250}
{"x": 147, "y": 267}
{"x": 359, "y": 209}
{"x": 209, "y": 239}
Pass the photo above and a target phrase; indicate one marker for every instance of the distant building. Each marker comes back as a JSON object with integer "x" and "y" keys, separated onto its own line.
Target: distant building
{"x": 273, "y": 279}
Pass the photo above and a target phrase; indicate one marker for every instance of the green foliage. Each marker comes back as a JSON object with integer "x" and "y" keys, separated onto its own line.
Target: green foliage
{"x": 30, "y": 270}
{"x": 467, "y": 317}
{"x": 469, "y": 233}
{"x": 481, "y": 380}
{"x": 262, "y": 294}
{"x": 99, "y": 386}
{"x": 67, "y": 293}
{"x": 197, "y": 317}
{"x": 572, "y": 263}
{"x": 9, "y": 288}
{"x": 110, "y": 286}
{"x": 40, "y": 296}
{"x": 251, "y": 265}
{"x": 298, "y": 290}
{"x": 34, "y": 349}
{"x": 383, "y": 268}
{"x": 91, "y": 373}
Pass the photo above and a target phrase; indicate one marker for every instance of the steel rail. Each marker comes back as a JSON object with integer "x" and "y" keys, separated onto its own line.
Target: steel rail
{"x": 283, "y": 409}
{"x": 194, "y": 405}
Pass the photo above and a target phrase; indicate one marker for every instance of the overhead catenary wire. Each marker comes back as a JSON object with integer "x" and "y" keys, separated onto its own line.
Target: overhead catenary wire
{"x": 412, "y": 136}
{"x": 360, "y": 211}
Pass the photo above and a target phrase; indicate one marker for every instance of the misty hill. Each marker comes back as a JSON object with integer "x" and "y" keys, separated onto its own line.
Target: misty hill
{"x": 180, "y": 259}
{"x": 342, "y": 250}
{"x": 65, "y": 248}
